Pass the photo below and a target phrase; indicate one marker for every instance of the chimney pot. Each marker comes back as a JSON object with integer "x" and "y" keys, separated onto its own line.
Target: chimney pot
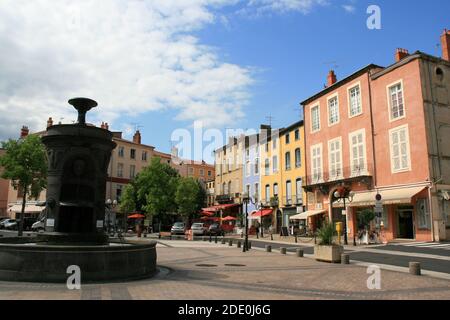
{"x": 49, "y": 122}
{"x": 445, "y": 44}
{"x": 400, "y": 54}
{"x": 331, "y": 79}
{"x": 24, "y": 132}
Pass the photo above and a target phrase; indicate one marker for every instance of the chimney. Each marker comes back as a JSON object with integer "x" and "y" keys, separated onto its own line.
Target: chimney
{"x": 137, "y": 137}
{"x": 49, "y": 122}
{"x": 401, "y": 54}
{"x": 106, "y": 126}
{"x": 331, "y": 79}
{"x": 445, "y": 44}
{"x": 24, "y": 132}
{"x": 102, "y": 125}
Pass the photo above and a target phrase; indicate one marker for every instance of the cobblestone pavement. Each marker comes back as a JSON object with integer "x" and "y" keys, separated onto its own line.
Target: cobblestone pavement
{"x": 205, "y": 271}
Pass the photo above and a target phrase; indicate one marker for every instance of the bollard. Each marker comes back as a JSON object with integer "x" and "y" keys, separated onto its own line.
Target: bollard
{"x": 271, "y": 236}
{"x": 268, "y": 248}
{"x": 230, "y": 243}
{"x": 414, "y": 268}
{"x": 239, "y": 244}
{"x": 223, "y": 241}
{"x": 283, "y": 250}
{"x": 210, "y": 238}
{"x": 249, "y": 245}
{"x": 299, "y": 253}
{"x": 296, "y": 240}
{"x": 345, "y": 258}
{"x": 215, "y": 239}
{"x": 204, "y": 238}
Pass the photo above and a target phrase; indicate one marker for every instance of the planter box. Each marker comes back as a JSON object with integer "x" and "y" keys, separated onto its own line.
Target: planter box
{"x": 328, "y": 253}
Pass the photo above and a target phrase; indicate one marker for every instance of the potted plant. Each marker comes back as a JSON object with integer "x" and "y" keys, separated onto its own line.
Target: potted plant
{"x": 326, "y": 250}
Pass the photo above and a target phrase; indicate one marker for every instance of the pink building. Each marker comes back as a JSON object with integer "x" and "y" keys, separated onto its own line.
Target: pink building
{"x": 383, "y": 131}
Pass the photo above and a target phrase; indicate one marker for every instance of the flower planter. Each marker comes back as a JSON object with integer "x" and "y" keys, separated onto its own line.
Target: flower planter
{"x": 328, "y": 253}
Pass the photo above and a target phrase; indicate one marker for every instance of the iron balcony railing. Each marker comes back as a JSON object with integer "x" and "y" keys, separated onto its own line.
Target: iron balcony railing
{"x": 292, "y": 200}
{"x": 339, "y": 174}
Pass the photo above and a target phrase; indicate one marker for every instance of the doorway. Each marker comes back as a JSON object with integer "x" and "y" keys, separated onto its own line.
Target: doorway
{"x": 405, "y": 222}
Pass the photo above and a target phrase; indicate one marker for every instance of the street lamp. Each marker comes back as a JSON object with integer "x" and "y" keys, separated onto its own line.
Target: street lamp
{"x": 246, "y": 199}
{"x": 344, "y": 193}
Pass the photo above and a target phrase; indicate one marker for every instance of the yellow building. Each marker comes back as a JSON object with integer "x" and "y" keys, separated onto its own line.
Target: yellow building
{"x": 270, "y": 152}
{"x": 292, "y": 198}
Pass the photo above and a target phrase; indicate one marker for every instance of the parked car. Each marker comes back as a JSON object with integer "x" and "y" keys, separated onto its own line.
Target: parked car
{"x": 4, "y": 222}
{"x": 216, "y": 230}
{"x": 38, "y": 225}
{"x": 178, "y": 228}
{"x": 10, "y": 224}
{"x": 199, "y": 229}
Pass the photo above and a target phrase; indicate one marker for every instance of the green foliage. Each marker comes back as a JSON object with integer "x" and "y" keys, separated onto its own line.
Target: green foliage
{"x": 365, "y": 217}
{"x": 326, "y": 234}
{"x": 128, "y": 199}
{"x": 25, "y": 164}
{"x": 156, "y": 186}
{"x": 187, "y": 197}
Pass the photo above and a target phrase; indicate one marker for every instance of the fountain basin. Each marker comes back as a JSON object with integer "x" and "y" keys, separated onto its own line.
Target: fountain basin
{"x": 30, "y": 261}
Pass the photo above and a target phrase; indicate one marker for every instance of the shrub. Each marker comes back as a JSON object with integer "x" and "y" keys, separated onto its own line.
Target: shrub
{"x": 326, "y": 234}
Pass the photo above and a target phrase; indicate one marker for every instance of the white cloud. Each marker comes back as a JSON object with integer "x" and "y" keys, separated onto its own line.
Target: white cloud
{"x": 349, "y": 8}
{"x": 132, "y": 56}
{"x": 262, "y": 7}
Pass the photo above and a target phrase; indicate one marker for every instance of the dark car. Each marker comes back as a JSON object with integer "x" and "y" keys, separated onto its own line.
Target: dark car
{"x": 216, "y": 230}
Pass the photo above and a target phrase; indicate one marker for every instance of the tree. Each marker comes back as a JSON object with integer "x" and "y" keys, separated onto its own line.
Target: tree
{"x": 25, "y": 164}
{"x": 365, "y": 217}
{"x": 156, "y": 186}
{"x": 190, "y": 197}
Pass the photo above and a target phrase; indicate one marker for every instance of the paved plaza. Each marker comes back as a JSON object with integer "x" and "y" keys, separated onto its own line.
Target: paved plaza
{"x": 205, "y": 271}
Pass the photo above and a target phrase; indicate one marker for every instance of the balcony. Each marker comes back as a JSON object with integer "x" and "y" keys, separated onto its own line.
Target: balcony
{"x": 293, "y": 201}
{"x": 357, "y": 173}
{"x": 224, "y": 198}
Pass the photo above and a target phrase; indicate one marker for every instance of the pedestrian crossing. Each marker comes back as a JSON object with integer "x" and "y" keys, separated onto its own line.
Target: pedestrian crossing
{"x": 430, "y": 245}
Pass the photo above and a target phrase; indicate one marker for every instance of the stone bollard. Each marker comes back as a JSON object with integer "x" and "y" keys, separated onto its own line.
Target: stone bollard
{"x": 230, "y": 243}
{"x": 283, "y": 250}
{"x": 249, "y": 245}
{"x": 238, "y": 244}
{"x": 414, "y": 268}
{"x": 299, "y": 253}
{"x": 345, "y": 258}
{"x": 215, "y": 239}
{"x": 223, "y": 241}
{"x": 268, "y": 248}
{"x": 205, "y": 239}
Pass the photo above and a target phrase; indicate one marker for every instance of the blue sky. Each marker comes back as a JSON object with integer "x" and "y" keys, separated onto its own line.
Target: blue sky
{"x": 162, "y": 64}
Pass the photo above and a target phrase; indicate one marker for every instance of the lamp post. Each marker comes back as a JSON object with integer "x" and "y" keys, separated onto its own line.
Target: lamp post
{"x": 246, "y": 199}
{"x": 344, "y": 193}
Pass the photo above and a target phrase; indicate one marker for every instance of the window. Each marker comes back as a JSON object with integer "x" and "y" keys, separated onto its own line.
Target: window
{"x": 288, "y": 160}
{"x": 144, "y": 155}
{"x": 202, "y": 172}
{"x": 209, "y": 173}
{"x": 133, "y": 154}
{"x": 275, "y": 189}
{"x": 256, "y": 192}
{"x": 399, "y": 142}
{"x": 118, "y": 192}
{"x": 335, "y": 158}
{"x": 287, "y": 137}
{"x": 247, "y": 190}
{"x": 315, "y": 119}
{"x": 423, "y": 214}
{"x": 191, "y": 170}
{"x": 274, "y": 144}
{"x": 355, "y": 105}
{"x": 358, "y": 152}
{"x": 288, "y": 192}
{"x": 267, "y": 193}
{"x": 333, "y": 111}
{"x": 121, "y": 152}
{"x": 316, "y": 161}
{"x": 120, "y": 170}
{"x": 267, "y": 147}
{"x": 275, "y": 164}
{"x": 248, "y": 168}
{"x": 224, "y": 188}
{"x": 297, "y": 135}
{"x": 132, "y": 171}
{"x": 230, "y": 191}
{"x": 256, "y": 166}
{"x": 396, "y": 101}
{"x": 299, "y": 191}
{"x": 298, "y": 158}
{"x": 267, "y": 167}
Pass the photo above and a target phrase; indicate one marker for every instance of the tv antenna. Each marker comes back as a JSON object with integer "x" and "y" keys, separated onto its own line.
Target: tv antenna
{"x": 270, "y": 119}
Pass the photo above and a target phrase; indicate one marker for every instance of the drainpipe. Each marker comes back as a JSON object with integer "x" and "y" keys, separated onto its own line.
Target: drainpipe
{"x": 375, "y": 181}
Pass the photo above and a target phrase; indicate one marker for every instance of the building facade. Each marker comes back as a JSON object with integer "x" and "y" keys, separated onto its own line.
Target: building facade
{"x": 251, "y": 173}
{"x": 381, "y": 131}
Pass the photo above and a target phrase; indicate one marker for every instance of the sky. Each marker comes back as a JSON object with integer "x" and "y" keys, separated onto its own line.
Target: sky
{"x": 160, "y": 65}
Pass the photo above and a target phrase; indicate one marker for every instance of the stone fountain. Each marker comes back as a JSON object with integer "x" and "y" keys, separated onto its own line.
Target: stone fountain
{"x": 78, "y": 159}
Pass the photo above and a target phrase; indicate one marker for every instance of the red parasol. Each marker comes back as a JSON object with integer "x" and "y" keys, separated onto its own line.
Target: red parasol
{"x": 229, "y": 218}
{"x": 136, "y": 216}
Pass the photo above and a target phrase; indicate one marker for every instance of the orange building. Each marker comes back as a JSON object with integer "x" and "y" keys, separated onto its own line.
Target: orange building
{"x": 383, "y": 131}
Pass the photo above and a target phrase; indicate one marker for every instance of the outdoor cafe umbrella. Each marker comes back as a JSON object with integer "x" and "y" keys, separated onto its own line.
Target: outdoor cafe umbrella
{"x": 229, "y": 218}
{"x": 136, "y": 216}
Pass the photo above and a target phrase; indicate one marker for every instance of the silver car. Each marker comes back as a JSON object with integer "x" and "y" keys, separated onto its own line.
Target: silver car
{"x": 198, "y": 229}
{"x": 178, "y": 228}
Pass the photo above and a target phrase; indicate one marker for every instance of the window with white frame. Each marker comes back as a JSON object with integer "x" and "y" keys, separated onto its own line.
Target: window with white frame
{"x": 275, "y": 189}
{"x": 120, "y": 170}
{"x": 298, "y": 158}
{"x": 256, "y": 166}
{"x": 423, "y": 214}
{"x": 275, "y": 163}
{"x": 132, "y": 171}
{"x": 358, "y": 152}
{"x": 315, "y": 119}
{"x": 274, "y": 143}
{"x": 335, "y": 158}
{"x": 333, "y": 110}
{"x": 355, "y": 101}
{"x": 256, "y": 195}
{"x": 399, "y": 142}
{"x": 267, "y": 167}
{"x": 288, "y": 192}
{"x": 267, "y": 193}
{"x": 288, "y": 161}
{"x": 396, "y": 101}
{"x": 247, "y": 190}
{"x": 248, "y": 168}
{"x": 121, "y": 152}
{"x": 316, "y": 161}
{"x": 299, "y": 190}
